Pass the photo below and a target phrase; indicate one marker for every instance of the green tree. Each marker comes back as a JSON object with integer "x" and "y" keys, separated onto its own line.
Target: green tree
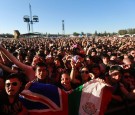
{"x": 133, "y": 30}
{"x": 130, "y": 31}
{"x": 76, "y": 34}
{"x": 122, "y": 32}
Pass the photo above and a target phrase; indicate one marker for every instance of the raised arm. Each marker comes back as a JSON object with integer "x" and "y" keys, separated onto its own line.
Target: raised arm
{"x": 13, "y": 59}
{"x": 26, "y": 68}
{"x": 73, "y": 74}
{"x": 4, "y": 59}
{"x": 8, "y": 69}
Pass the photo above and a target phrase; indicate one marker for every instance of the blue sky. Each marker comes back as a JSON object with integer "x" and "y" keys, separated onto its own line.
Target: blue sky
{"x": 79, "y": 15}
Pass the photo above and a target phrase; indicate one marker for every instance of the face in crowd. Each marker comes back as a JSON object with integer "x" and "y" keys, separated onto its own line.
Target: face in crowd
{"x": 41, "y": 72}
{"x": 115, "y": 76}
{"x": 85, "y": 74}
{"x": 96, "y": 71}
{"x": 126, "y": 63}
{"x": 36, "y": 60}
{"x": 65, "y": 81}
{"x": 12, "y": 86}
{"x": 115, "y": 73}
{"x": 127, "y": 78}
{"x": 88, "y": 61}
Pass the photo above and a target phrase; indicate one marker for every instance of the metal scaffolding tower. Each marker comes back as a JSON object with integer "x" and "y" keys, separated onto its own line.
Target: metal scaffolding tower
{"x": 63, "y": 28}
{"x": 30, "y": 19}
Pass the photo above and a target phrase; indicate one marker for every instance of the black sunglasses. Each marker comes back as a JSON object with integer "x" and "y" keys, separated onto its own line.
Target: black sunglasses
{"x": 85, "y": 72}
{"x": 13, "y": 84}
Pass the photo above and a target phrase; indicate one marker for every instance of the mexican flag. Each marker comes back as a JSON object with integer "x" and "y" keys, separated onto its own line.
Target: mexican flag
{"x": 90, "y": 98}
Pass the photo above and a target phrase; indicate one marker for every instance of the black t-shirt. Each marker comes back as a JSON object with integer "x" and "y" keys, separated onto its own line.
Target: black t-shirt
{"x": 7, "y": 108}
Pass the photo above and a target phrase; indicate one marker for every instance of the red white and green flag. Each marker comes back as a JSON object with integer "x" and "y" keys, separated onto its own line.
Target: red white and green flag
{"x": 90, "y": 98}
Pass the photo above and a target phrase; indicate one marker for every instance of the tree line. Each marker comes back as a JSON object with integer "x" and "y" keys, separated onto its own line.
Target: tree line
{"x": 130, "y": 31}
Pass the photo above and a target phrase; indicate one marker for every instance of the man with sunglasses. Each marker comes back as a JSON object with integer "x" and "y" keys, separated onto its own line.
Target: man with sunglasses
{"x": 9, "y": 103}
{"x": 79, "y": 77}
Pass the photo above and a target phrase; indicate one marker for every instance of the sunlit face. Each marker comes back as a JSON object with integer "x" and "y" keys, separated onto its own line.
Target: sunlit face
{"x": 41, "y": 72}
{"x": 127, "y": 63}
{"x": 36, "y": 60}
{"x": 12, "y": 86}
{"x": 65, "y": 80}
{"x": 93, "y": 53}
{"x": 115, "y": 76}
{"x": 105, "y": 60}
{"x": 85, "y": 74}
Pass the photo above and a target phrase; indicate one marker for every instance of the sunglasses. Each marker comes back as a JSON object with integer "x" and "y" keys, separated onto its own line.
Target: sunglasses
{"x": 13, "y": 84}
{"x": 85, "y": 72}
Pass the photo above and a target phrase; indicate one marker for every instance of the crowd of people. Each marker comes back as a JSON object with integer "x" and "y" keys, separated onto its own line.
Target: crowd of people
{"x": 66, "y": 63}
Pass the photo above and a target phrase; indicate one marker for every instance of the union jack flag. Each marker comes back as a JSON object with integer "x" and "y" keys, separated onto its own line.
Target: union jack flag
{"x": 45, "y": 99}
